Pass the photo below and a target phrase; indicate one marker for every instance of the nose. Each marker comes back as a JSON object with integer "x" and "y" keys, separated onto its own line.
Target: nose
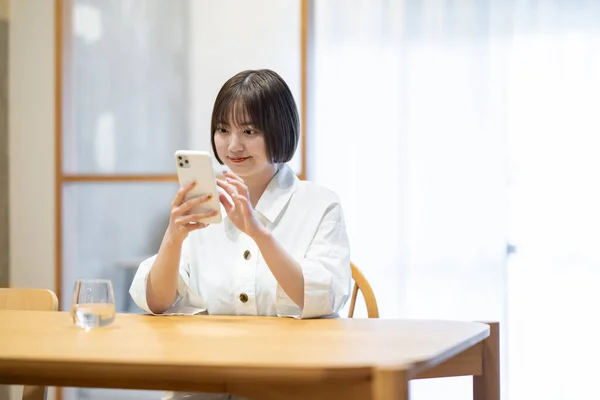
{"x": 235, "y": 143}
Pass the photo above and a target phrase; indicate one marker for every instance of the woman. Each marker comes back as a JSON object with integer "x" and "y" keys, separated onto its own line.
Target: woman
{"x": 282, "y": 248}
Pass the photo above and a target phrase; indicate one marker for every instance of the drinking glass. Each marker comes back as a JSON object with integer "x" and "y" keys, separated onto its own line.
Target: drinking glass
{"x": 93, "y": 303}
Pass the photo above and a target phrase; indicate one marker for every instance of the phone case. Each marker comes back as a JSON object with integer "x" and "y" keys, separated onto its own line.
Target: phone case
{"x": 197, "y": 166}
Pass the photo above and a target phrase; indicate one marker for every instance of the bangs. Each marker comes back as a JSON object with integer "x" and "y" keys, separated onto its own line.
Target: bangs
{"x": 239, "y": 108}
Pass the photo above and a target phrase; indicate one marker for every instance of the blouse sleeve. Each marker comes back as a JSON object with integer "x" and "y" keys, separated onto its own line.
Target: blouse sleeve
{"x": 326, "y": 270}
{"x": 186, "y": 297}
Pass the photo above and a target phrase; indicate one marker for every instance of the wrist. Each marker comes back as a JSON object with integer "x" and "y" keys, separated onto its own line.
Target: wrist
{"x": 173, "y": 239}
{"x": 261, "y": 236}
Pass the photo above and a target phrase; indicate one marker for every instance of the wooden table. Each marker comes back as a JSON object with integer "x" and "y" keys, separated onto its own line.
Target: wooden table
{"x": 255, "y": 357}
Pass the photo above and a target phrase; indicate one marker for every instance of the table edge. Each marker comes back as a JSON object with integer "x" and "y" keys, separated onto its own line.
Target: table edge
{"x": 418, "y": 367}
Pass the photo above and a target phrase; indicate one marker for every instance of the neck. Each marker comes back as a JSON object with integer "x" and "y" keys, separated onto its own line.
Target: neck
{"x": 259, "y": 182}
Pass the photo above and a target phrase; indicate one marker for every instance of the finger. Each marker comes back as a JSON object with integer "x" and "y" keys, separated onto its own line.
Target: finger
{"x": 243, "y": 204}
{"x": 180, "y": 196}
{"x": 230, "y": 189}
{"x": 240, "y": 186}
{"x": 222, "y": 191}
{"x": 186, "y": 219}
{"x": 187, "y": 206}
{"x": 195, "y": 227}
{"x": 227, "y": 191}
{"x": 226, "y": 201}
{"x": 229, "y": 174}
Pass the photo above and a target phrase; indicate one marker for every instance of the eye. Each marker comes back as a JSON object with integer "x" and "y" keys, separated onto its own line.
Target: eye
{"x": 221, "y": 130}
{"x": 249, "y": 132}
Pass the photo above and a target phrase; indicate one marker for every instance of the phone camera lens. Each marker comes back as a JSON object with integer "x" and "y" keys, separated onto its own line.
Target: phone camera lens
{"x": 181, "y": 164}
{"x": 180, "y": 157}
{"x": 187, "y": 161}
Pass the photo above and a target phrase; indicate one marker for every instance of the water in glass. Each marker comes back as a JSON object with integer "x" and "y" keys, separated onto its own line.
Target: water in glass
{"x": 93, "y": 303}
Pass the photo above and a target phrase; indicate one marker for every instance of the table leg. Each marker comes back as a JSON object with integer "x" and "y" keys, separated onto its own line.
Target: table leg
{"x": 487, "y": 385}
{"x": 35, "y": 393}
{"x": 390, "y": 384}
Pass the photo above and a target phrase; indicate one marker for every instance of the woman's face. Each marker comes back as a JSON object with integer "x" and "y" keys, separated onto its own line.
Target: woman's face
{"x": 242, "y": 148}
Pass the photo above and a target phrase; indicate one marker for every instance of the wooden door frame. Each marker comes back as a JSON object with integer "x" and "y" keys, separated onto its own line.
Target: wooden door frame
{"x": 62, "y": 25}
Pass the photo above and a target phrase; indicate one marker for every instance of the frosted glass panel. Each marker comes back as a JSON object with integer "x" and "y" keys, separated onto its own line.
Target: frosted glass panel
{"x": 126, "y": 98}
{"x": 141, "y": 76}
{"x": 108, "y": 229}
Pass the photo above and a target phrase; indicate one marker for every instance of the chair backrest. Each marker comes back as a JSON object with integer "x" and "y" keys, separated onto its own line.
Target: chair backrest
{"x": 360, "y": 282}
{"x": 29, "y": 300}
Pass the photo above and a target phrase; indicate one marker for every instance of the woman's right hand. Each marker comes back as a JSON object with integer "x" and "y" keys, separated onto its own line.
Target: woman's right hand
{"x": 180, "y": 222}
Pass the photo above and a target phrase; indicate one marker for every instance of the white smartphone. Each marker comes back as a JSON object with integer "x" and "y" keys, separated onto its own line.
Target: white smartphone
{"x": 196, "y": 166}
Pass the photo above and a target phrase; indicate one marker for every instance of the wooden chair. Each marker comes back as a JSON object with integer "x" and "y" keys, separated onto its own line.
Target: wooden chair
{"x": 29, "y": 300}
{"x": 360, "y": 282}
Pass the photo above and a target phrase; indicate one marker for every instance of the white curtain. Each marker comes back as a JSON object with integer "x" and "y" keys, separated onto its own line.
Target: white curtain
{"x": 553, "y": 127}
{"x": 417, "y": 110}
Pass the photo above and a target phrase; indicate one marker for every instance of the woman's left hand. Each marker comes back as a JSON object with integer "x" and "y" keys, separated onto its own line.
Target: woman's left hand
{"x": 241, "y": 211}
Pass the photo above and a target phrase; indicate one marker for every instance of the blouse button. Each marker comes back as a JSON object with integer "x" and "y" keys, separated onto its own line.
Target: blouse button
{"x": 247, "y": 255}
{"x": 243, "y": 297}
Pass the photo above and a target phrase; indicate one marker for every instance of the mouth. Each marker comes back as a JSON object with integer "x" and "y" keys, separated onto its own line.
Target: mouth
{"x": 238, "y": 160}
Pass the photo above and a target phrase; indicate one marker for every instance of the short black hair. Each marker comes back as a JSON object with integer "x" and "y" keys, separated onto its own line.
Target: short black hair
{"x": 263, "y": 98}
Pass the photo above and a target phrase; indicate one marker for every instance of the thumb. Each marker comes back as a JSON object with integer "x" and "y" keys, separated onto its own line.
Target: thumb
{"x": 223, "y": 199}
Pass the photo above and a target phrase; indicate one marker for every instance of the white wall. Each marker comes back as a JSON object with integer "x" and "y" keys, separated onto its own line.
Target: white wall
{"x": 31, "y": 144}
{"x": 230, "y": 36}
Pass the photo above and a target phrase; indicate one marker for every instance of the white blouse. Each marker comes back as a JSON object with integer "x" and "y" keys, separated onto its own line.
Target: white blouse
{"x": 222, "y": 271}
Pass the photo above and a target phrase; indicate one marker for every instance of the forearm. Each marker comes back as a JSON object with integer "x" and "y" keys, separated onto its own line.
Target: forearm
{"x": 161, "y": 288}
{"x": 286, "y": 270}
